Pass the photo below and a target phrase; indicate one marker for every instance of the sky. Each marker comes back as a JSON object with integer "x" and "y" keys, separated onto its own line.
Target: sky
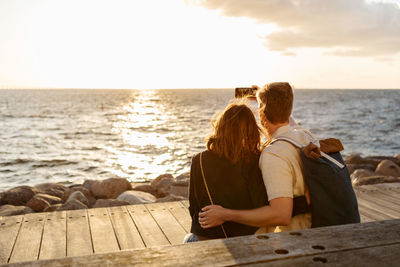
{"x": 157, "y": 44}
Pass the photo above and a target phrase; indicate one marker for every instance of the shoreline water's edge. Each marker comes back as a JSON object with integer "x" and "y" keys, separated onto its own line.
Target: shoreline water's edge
{"x": 111, "y": 192}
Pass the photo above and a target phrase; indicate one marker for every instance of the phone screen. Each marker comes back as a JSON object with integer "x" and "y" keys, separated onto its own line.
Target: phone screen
{"x": 241, "y": 92}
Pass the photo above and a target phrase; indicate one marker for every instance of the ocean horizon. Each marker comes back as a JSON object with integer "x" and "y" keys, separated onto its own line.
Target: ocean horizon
{"x": 69, "y": 135}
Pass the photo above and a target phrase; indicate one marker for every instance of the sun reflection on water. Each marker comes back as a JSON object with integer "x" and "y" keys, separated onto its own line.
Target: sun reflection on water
{"x": 140, "y": 127}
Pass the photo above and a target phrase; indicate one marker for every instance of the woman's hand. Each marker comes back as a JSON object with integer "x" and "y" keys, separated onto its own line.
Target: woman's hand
{"x": 211, "y": 216}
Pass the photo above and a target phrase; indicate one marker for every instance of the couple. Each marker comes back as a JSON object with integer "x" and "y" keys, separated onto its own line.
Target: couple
{"x": 250, "y": 190}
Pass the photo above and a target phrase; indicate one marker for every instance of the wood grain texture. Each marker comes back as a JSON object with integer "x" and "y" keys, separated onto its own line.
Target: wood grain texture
{"x": 393, "y": 195}
{"x": 102, "y": 231}
{"x": 28, "y": 242}
{"x": 125, "y": 229}
{"x": 147, "y": 226}
{"x": 79, "y": 240}
{"x": 378, "y": 205}
{"x": 371, "y": 212}
{"x": 388, "y": 201}
{"x": 353, "y": 239}
{"x": 54, "y": 240}
{"x": 137, "y": 226}
{"x": 9, "y": 228}
{"x": 167, "y": 222}
{"x": 363, "y": 257}
{"x": 180, "y": 213}
{"x": 366, "y": 215}
{"x": 185, "y": 203}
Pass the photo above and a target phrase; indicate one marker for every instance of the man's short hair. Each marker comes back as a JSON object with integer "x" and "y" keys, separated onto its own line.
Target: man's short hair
{"x": 277, "y": 101}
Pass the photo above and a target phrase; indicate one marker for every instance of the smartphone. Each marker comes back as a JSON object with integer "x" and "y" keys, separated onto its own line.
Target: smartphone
{"x": 241, "y": 92}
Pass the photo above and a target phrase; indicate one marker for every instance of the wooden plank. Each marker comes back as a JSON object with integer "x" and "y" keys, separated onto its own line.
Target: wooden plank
{"x": 365, "y": 214}
{"x": 9, "y": 228}
{"x": 388, "y": 185}
{"x": 103, "y": 235}
{"x": 125, "y": 229}
{"x": 27, "y": 245}
{"x": 382, "y": 199}
{"x": 167, "y": 222}
{"x": 270, "y": 248}
{"x": 181, "y": 214}
{"x": 364, "y": 217}
{"x": 366, "y": 194}
{"x": 54, "y": 240}
{"x": 394, "y": 187}
{"x": 147, "y": 226}
{"x": 378, "y": 205}
{"x": 390, "y": 194}
{"x": 185, "y": 203}
{"x": 372, "y": 213}
{"x": 375, "y": 256}
{"x": 79, "y": 240}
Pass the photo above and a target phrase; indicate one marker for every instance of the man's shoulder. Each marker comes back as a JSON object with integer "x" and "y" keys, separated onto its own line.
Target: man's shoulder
{"x": 278, "y": 151}
{"x": 284, "y": 149}
{"x": 278, "y": 148}
{"x": 300, "y": 135}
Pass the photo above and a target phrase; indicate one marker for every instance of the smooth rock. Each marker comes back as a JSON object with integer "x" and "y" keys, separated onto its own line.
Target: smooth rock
{"x": 88, "y": 183}
{"x": 110, "y": 188}
{"x": 170, "y": 198}
{"x": 18, "y": 196}
{"x": 51, "y": 199}
{"x": 38, "y": 204}
{"x": 183, "y": 176}
{"x": 78, "y": 195}
{"x": 352, "y": 159}
{"x": 397, "y": 156}
{"x": 52, "y": 207}
{"x": 388, "y": 168}
{"x": 155, "y": 182}
{"x": 182, "y": 191}
{"x": 136, "y": 197}
{"x": 84, "y": 191}
{"x": 163, "y": 187}
{"x": 74, "y": 185}
{"x": 360, "y": 173}
{"x": 357, "y": 159}
{"x": 55, "y": 192}
{"x": 182, "y": 182}
{"x": 10, "y": 210}
{"x": 381, "y": 158}
{"x": 73, "y": 205}
{"x": 146, "y": 188}
{"x": 103, "y": 203}
{"x": 353, "y": 167}
{"x": 81, "y": 189}
{"x": 47, "y": 186}
{"x": 375, "y": 180}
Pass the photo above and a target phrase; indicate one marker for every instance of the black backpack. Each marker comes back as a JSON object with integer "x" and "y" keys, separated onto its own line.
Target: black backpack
{"x": 333, "y": 201}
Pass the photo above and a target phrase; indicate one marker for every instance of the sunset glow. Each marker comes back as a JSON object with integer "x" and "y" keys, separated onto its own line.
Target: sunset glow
{"x": 188, "y": 44}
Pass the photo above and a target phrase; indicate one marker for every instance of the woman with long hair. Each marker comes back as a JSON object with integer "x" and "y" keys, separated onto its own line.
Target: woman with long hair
{"x": 227, "y": 173}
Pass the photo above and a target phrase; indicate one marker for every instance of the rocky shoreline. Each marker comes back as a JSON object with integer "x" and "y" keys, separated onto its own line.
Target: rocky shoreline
{"x": 92, "y": 194}
{"x": 119, "y": 191}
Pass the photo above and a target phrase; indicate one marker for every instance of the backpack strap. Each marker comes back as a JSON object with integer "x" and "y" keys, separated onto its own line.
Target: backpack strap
{"x": 337, "y": 163}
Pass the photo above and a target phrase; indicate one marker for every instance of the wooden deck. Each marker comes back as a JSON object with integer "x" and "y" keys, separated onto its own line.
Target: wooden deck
{"x": 105, "y": 231}
{"x": 365, "y": 244}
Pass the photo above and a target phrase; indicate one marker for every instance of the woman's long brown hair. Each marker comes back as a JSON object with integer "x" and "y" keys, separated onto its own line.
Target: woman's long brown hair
{"x": 236, "y": 134}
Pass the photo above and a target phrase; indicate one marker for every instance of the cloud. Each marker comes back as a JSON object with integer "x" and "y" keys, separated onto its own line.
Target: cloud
{"x": 342, "y": 27}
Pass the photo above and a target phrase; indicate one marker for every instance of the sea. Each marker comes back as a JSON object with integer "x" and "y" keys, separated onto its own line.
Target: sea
{"x": 72, "y": 135}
